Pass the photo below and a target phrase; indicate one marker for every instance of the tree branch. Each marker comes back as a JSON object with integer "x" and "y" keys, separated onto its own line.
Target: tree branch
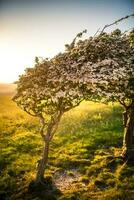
{"x": 79, "y": 35}
{"x": 56, "y": 125}
{"x": 67, "y": 109}
{"x": 117, "y": 21}
{"x": 96, "y": 32}
{"x": 123, "y": 104}
{"x": 42, "y": 121}
{"x": 29, "y": 112}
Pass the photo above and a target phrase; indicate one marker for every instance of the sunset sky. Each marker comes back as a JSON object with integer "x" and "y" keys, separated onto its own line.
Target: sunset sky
{"x": 32, "y": 28}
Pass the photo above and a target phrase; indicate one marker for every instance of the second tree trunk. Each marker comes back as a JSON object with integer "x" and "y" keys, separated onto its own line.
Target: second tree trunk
{"x": 128, "y": 141}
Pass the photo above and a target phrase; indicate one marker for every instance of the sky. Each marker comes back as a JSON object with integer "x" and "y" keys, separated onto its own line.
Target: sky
{"x": 32, "y": 28}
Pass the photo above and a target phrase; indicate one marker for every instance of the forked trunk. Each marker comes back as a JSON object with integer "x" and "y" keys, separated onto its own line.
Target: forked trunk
{"x": 128, "y": 141}
{"x": 42, "y": 163}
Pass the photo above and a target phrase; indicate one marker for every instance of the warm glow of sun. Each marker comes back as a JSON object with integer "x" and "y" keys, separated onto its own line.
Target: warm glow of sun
{"x": 12, "y": 64}
{"x": 42, "y": 28}
{"x": 13, "y": 61}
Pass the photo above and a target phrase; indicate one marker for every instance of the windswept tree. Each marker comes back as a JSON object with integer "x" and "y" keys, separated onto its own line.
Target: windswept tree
{"x": 107, "y": 64}
{"x": 100, "y": 67}
{"x": 46, "y": 92}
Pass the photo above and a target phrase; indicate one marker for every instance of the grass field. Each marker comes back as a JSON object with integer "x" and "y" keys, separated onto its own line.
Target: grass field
{"x": 83, "y": 160}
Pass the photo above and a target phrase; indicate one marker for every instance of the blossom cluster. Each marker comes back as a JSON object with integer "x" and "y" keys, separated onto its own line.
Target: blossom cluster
{"x": 100, "y": 67}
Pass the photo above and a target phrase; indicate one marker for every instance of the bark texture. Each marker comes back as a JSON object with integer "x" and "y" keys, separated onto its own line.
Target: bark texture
{"x": 128, "y": 140}
{"x": 42, "y": 163}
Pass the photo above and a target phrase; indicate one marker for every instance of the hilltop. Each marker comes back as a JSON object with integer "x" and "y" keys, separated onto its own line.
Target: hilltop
{"x": 7, "y": 88}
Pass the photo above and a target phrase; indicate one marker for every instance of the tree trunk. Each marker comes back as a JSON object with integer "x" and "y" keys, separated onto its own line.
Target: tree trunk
{"x": 128, "y": 141}
{"x": 43, "y": 162}
{"x": 51, "y": 129}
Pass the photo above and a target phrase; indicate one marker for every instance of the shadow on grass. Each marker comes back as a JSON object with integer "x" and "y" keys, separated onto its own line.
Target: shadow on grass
{"x": 18, "y": 189}
{"x": 46, "y": 190}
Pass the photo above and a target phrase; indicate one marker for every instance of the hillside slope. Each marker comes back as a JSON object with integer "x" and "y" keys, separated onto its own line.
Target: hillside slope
{"x": 7, "y": 88}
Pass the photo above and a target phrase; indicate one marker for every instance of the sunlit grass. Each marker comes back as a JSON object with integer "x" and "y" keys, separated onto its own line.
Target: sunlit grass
{"x": 84, "y": 145}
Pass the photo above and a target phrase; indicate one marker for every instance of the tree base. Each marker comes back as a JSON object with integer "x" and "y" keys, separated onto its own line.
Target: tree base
{"x": 128, "y": 154}
{"x": 43, "y": 184}
{"x": 45, "y": 189}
